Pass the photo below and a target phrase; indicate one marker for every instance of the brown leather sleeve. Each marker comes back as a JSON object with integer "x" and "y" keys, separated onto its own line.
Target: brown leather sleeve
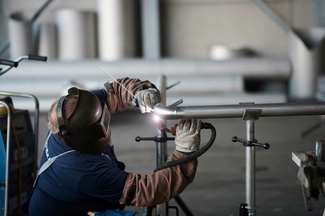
{"x": 121, "y": 97}
{"x": 160, "y": 186}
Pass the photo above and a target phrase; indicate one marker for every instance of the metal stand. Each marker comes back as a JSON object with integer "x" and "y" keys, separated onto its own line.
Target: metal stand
{"x": 250, "y": 115}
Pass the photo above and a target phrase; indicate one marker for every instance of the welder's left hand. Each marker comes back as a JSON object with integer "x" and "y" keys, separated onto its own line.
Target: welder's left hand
{"x": 188, "y": 135}
{"x": 146, "y": 99}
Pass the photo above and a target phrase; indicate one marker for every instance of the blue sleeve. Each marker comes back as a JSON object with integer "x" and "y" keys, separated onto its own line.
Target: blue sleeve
{"x": 102, "y": 95}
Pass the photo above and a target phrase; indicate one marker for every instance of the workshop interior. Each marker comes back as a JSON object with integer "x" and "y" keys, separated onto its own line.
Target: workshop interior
{"x": 252, "y": 70}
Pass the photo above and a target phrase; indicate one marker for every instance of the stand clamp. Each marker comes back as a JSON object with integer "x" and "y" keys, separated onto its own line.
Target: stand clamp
{"x": 155, "y": 138}
{"x": 251, "y": 143}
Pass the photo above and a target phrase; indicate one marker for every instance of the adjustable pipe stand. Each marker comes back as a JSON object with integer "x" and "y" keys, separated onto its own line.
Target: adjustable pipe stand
{"x": 250, "y": 115}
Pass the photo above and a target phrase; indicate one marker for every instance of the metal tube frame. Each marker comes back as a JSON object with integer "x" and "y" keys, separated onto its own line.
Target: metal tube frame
{"x": 242, "y": 110}
{"x": 237, "y": 111}
{"x": 36, "y": 129}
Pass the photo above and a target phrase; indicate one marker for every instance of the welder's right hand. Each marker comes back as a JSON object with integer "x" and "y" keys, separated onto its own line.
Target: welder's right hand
{"x": 146, "y": 99}
{"x": 188, "y": 135}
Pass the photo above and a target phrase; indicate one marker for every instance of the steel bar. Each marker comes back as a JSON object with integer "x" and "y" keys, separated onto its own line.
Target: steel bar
{"x": 237, "y": 111}
{"x": 161, "y": 146}
{"x": 250, "y": 168}
{"x": 259, "y": 67}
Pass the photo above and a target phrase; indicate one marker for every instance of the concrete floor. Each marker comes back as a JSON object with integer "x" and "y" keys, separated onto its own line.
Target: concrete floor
{"x": 219, "y": 185}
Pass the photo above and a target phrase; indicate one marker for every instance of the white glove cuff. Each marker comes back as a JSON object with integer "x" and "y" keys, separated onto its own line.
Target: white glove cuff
{"x": 180, "y": 149}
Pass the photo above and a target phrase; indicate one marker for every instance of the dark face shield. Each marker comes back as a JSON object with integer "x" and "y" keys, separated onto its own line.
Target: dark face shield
{"x": 88, "y": 123}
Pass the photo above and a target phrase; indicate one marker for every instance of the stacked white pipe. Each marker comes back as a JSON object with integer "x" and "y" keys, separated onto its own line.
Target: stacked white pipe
{"x": 116, "y": 29}
{"x": 76, "y": 34}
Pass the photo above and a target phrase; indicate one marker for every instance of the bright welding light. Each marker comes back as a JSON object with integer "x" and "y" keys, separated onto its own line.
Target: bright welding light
{"x": 159, "y": 123}
{"x": 155, "y": 117}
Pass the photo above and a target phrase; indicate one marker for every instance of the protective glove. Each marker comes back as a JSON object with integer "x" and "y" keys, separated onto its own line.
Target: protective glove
{"x": 188, "y": 136}
{"x": 146, "y": 99}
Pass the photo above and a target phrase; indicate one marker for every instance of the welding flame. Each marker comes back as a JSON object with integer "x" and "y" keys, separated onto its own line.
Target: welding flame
{"x": 155, "y": 117}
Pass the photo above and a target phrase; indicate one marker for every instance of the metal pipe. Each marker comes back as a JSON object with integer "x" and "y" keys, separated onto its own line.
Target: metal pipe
{"x": 161, "y": 152}
{"x": 237, "y": 111}
{"x": 264, "y": 67}
{"x": 9, "y": 116}
{"x": 250, "y": 168}
{"x": 161, "y": 146}
{"x": 19, "y": 59}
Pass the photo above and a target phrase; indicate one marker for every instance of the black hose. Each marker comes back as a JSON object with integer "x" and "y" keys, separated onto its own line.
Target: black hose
{"x": 195, "y": 154}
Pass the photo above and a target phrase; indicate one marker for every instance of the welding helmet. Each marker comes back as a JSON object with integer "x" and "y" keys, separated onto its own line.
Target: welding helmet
{"x": 87, "y": 128}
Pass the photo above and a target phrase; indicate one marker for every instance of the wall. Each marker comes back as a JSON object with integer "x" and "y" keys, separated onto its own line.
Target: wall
{"x": 192, "y": 27}
{"x": 3, "y": 23}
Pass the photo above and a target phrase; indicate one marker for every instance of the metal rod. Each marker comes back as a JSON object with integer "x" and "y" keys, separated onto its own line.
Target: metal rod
{"x": 7, "y": 156}
{"x": 39, "y": 11}
{"x": 250, "y": 169}
{"x": 161, "y": 147}
{"x": 250, "y": 116}
{"x": 19, "y": 59}
{"x": 237, "y": 111}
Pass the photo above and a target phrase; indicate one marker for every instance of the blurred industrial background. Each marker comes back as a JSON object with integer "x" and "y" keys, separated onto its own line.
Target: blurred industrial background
{"x": 219, "y": 52}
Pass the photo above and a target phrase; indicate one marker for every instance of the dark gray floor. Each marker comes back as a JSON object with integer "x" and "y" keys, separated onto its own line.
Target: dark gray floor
{"x": 219, "y": 185}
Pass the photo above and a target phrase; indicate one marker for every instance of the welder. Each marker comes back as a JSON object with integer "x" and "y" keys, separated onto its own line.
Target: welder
{"x": 79, "y": 171}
